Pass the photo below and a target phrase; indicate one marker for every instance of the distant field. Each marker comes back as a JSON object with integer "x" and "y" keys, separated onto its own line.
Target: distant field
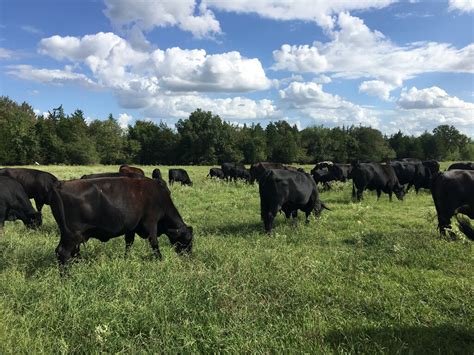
{"x": 367, "y": 277}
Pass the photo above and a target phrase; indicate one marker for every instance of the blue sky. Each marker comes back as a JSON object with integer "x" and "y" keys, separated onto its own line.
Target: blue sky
{"x": 389, "y": 64}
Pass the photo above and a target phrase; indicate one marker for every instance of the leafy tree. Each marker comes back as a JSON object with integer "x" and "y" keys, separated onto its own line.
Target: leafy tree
{"x": 110, "y": 140}
{"x": 18, "y": 143}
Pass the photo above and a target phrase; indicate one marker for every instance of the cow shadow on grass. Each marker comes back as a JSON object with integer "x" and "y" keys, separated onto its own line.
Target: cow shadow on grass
{"x": 444, "y": 339}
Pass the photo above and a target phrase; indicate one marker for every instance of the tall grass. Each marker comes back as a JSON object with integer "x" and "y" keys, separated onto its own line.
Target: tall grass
{"x": 367, "y": 277}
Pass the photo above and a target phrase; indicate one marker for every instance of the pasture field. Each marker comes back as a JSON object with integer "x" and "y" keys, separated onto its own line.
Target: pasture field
{"x": 369, "y": 277}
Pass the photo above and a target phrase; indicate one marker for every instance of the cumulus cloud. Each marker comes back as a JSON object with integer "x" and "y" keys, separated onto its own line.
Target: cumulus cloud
{"x": 50, "y": 76}
{"x": 355, "y": 51}
{"x": 430, "y": 98}
{"x": 377, "y": 88}
{"x": 424, "y": 109}
{"x": 310, "y": 99}
{"x": 124, "y": 119}
{"x": 461, "y": 5}
{"x": 235, "y": 108}
{"x": 145, "y": 15}
{"x": 319, "y": 11}
{"x": 114, "y": 63}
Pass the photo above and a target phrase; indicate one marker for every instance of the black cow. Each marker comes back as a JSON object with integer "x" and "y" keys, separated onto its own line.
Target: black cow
{"x": 179, "y": 175}
{"x": 229, "y": 170}
{"x": 432, "y": 165}
{"x": 216, "y": 173}
{"x": 462, "y": 166}
{"x": 106, "y": 175}
{"x": 412, "y": 173}
{"x": 257, "y": 170}
{"x": 323, "y": 176}
{"x": 156, "y": 174}
{"x": 453, "y": 192}
{"x": 239, "y": 173}
{"x": 37, "y": 184}
{"x": 375, "y": 176}
{"x": 110, "y": 207}
{"x": 342, "y": 172}
{"x": 124, "y": 168}
{"x": 14, "y": 204}
{"x": 128, "y": 175}
{"x": 287, "y": 191}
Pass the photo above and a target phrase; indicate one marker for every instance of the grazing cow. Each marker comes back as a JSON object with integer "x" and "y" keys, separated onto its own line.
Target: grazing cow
{"x": 287, "y": 191}
{"x": 179, "y": 175}
{"x": 412, "y": 173}
{"x": 375, "y": 176}
{"x": 462, "y": 166}
{"x": 216, "y": 173}
{"x": 238, "y": 172}
{"x": 432, "y": 165}
{"x": 323, "y": 176}
{"x": 105, "y": 175}
{"x": 130, "y": 169}
{"x": 37, "y": 184}
{"x": 14, "y": 204}
{"x": 110, "y": 207}
{"x": 453, "y": 192}
{"x": 156, "y": 174}
{"x": 257, "y": 170}
{"x": 229, "y": 170}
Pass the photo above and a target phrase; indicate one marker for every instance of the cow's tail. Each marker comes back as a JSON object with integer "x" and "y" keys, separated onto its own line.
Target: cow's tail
{"x": 57, "y": 207}
{"x": 465, "y": 227}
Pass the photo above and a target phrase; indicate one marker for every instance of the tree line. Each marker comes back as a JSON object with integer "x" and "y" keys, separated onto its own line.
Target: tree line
{"x": 204, "y": 138}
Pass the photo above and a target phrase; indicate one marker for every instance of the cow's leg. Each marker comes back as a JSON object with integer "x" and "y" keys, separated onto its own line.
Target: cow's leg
{"x": 390, "y": 193}
{"x": 379, "y": 192}
{"x": 129, "y": 238}
{"x": 39, "y": 204}
{"x": 153, "y": 239}
{"x": 294, "y": 215}
{"x": 268, "y": 222}
{"x": 359, "y": 194}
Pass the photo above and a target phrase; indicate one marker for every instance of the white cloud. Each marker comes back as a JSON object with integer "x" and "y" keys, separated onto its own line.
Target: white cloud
{"x": 319, "y": 11}
{"x": 311, "y": 100}
{"x": 355, "y": 51}
{"x": 50, "y": 76}
{"x": 145, "y": 15}
{"x": 431, "y": 98}
{"x": 31, "y": 29}
{"x": 377, "y": 88}
{"x": 461, "y": 5}
{"x": 5, "y": 53}
{"x": 424, "y": 109}
{"x": 235, "y": 108}
{"x": 114, "y": 63}
{"x": 322, "y": 79}
{"x": 124, "y": 119}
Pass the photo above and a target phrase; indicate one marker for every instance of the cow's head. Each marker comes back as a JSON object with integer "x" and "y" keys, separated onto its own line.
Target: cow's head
{"x": 181, "y": 239}
{"x": 33, "y": 220}
{"x": 399, "y": 191}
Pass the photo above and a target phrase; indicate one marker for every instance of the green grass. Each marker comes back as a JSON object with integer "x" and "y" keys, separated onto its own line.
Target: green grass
{"x": 370, "y": 277}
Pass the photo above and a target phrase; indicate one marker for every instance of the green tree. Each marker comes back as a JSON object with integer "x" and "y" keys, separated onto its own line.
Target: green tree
{"x": 110, "y": 140}
{"x": 18, "y": 143}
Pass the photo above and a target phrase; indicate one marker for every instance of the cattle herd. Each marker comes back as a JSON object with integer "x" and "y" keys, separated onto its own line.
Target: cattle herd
{"x": 108, "y": 205}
